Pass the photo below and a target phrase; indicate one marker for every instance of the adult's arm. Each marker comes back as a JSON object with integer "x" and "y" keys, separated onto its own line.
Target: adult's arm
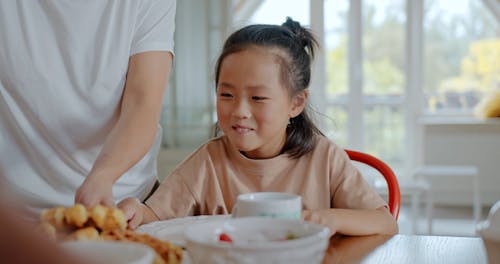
{"x": 135, "y": 130}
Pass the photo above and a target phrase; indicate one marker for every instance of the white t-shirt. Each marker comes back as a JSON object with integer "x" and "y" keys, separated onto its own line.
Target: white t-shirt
{"x": 63, "y": 66}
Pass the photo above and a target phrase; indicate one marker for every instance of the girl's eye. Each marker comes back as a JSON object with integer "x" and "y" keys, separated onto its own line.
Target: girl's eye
{"x": 258, "y": 98}
{"x": 228, "y": 95}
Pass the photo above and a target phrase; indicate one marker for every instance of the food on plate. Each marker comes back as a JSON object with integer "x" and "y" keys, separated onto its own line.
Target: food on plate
{"x": 223, "y": 237}
{"x": 291, "y": 236}
{"x": 108, "y": 218}
{"x": 101, "y": 223}
{"x": 87, "y": 233}
{"x": 168, "y": 251}
{"x": 54, "y": 217}
{"x": 77, "y": 216}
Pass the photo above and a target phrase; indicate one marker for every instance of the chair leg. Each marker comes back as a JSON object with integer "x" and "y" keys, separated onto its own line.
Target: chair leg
{"x": 477, "y": 201}
{"x": 415, "y": 203}
{"x": 429, "y": 212}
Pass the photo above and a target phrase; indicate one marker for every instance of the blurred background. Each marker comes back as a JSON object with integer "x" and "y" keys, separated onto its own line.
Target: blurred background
{"x": 399, "y": 79}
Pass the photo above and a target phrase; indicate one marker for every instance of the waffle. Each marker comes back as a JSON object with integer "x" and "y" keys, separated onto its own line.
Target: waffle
{"x": 102, "y": 223}
{"x": 87, "y": 233}
{"x": 169, "y": 252}
{"x": 101, "y": 217}
{"x": 54, "y": 217}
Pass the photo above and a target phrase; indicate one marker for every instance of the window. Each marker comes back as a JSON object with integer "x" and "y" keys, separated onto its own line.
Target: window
{"x": 383, "y": 44}
{"x": 336, "y": 48}
{"x": 462, "y": 51}
{"x": 276, "y": 11}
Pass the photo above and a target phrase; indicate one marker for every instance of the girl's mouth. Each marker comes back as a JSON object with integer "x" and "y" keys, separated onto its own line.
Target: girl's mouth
{"x": 241, "y": 129}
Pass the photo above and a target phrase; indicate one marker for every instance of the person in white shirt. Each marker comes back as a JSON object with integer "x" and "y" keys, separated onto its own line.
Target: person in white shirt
{"x": 81, "y": 88}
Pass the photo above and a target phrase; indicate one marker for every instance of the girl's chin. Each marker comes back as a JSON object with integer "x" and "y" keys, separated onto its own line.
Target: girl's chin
{"x": 253, "y": 153}
{"x": 242, "y": 148}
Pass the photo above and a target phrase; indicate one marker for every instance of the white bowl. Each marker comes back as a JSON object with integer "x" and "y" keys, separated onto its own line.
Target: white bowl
{"x": 111, "y": 252}
{"x": 256, "y": 240}
{"x": 489, "y": 230}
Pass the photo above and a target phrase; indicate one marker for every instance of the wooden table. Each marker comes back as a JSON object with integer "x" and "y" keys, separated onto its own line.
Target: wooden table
{"x": 406, "y": 249}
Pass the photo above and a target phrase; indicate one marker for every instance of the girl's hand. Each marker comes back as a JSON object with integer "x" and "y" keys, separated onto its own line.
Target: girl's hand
{"x": 133, "y": 209}
{"x": 94, "y": 191}
{"x": 323, "y": 217}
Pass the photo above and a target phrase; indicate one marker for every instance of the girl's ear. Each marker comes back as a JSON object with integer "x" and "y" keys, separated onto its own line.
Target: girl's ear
{"x": 299, "y": 101}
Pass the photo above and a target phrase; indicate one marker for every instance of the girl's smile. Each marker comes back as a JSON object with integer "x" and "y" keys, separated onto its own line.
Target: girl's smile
{"x": 242, "y": 129}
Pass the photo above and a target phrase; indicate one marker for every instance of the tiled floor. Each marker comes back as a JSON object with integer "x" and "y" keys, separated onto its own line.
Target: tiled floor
{"x": 449, "y": 221}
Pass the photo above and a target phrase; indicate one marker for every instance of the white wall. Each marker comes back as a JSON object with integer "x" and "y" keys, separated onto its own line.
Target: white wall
{"x": 465, "y": 141}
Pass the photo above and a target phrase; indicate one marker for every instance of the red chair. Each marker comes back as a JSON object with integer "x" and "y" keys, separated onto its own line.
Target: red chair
{"x": 386, "y": 171}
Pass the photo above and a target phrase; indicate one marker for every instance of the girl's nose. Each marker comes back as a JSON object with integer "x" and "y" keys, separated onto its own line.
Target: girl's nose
{"x": 242, "y": 109}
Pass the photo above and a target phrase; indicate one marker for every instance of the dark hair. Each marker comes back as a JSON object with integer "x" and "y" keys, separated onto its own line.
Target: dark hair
{"x": 296, "y": 45}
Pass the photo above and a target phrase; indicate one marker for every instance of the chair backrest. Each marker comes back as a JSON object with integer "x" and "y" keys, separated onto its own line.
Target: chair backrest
{"x": 386, "y": 171}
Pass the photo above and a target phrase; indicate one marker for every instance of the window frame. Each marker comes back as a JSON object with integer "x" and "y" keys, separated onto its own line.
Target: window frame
{"x": 356, "y": 100}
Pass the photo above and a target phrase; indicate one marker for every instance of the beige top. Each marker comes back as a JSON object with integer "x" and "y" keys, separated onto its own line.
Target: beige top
{"x": 210, "y": 179}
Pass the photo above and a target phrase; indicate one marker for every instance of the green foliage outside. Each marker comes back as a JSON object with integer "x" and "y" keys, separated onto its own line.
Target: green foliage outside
{"x": 461, "y": 57}
{"x": 461, "y": 54}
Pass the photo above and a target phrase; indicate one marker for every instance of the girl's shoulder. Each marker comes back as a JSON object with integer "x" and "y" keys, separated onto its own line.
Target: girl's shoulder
{"x": 325, "y": 145}
{"x": 215, "y": 144}
{"x": 327, "y": 151}
{"x": 204, "y": 153}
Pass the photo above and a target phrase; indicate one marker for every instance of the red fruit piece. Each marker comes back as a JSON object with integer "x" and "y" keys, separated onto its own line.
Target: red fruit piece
{"x": 223, "y": 237}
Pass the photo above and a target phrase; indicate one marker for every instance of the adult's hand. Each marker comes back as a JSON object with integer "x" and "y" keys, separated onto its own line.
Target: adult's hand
{"x": 94, "y": 191}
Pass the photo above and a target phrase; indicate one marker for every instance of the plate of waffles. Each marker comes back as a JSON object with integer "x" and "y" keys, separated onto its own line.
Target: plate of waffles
{"x": 101, "y": 231}
{"x": 173, "y": 229}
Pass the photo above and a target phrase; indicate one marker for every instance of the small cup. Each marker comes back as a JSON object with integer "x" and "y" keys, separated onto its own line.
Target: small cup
{"x": 268, "y": 204}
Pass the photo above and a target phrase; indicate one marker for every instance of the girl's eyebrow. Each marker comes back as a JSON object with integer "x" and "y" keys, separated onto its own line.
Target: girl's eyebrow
{"x": 257, "y": 87}
{"x": 253, "y": 87}
{"x": 226, "y": 85}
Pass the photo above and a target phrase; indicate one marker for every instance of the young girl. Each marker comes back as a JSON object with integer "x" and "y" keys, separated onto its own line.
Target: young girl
{"x": 269, "y": 143}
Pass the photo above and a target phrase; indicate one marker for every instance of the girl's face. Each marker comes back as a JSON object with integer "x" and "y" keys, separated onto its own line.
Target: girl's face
{"x": 253, "y": 105}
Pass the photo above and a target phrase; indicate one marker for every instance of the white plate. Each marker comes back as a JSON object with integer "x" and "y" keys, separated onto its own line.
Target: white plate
{"x": 111, "y": 252}
{"x": 173, "y": 229}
